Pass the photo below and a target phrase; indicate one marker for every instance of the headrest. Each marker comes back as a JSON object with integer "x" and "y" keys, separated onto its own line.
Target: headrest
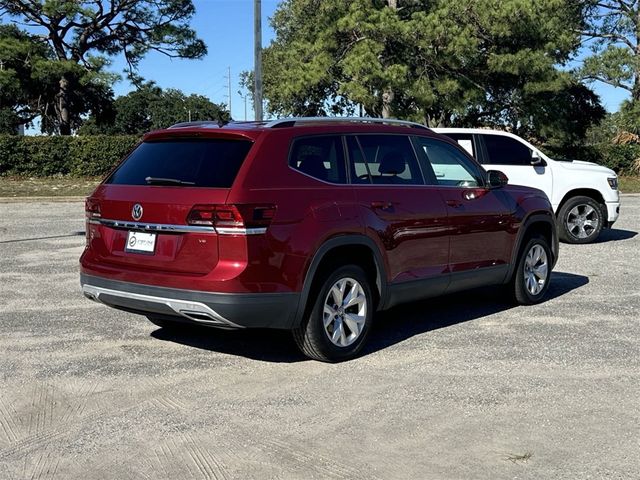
{"x": 313, "y": 165}
{"x": 392, "y": 163}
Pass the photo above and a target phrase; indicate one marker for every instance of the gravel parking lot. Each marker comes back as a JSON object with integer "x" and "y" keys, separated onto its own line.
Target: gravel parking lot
{"x": 461, "y": 387}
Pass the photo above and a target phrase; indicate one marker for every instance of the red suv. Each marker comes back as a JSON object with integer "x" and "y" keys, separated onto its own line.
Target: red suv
{"x": 307, "y": 224}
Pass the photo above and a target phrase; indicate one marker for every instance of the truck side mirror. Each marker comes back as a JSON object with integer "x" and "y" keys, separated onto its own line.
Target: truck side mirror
{"x": 537, "y": 160}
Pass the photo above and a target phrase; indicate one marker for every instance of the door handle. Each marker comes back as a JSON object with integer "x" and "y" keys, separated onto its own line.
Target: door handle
{"x": 381, "y": 205}
{"x": 454, "y": 203}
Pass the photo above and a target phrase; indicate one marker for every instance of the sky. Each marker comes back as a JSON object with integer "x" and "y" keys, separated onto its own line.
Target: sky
{"x": 226, "y": 26}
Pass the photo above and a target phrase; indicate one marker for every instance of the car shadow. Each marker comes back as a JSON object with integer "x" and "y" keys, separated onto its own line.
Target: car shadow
{"x": 405, "y": 321}
{"x": 391, "y": 327}
{"x": 615, "y": 234}
{"x": 268, "y": 345}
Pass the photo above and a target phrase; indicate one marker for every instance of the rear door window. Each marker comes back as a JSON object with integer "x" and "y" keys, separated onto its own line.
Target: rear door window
{"x": 320, "y": 157}
{"x": 502, "y": 150}
{"x": 357, "y": 164}
{"x": 212, "y": 163}
{"x": 390, "y": 160}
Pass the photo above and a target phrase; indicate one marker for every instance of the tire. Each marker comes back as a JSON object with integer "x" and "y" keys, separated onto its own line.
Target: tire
{"x": 580, "y": 220}
{"x": 347, "y": 326}
{"x": 525, "y": 284}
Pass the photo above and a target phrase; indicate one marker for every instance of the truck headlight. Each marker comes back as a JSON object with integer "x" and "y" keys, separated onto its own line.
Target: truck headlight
{"x": 613, "y": 182}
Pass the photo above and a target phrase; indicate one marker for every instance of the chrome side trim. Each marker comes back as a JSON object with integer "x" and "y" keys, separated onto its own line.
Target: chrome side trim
{"x": 152, "y": 227}
{"x": 194, "y": 311}
{"x": 169, "y": 228}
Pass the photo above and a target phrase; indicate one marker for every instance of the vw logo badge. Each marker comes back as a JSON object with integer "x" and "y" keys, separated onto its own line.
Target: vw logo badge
{"x": 136, "y": 211}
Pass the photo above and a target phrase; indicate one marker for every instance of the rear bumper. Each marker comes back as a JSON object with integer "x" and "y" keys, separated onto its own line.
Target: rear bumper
{"x": 223, "y": 310}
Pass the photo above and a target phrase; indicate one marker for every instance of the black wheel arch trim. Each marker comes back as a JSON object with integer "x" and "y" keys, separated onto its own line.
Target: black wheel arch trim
{"x": 593, "y": 193}
{"x": 326, "y": 247}
{"x": 536, "y": 217}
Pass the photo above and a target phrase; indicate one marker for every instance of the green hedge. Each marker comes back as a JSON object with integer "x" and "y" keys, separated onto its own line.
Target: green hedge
{"x": 73, "y": 156}
{"x": 95, "y": 155}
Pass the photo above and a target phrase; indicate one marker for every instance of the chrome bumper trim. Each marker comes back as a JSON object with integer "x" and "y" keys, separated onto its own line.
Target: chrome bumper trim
{"x": 195, "y": 311}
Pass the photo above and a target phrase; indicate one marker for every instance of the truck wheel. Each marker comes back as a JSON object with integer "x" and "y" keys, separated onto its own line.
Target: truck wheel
{"x": 339, "y": 321}
{"x": 580, "y": 220}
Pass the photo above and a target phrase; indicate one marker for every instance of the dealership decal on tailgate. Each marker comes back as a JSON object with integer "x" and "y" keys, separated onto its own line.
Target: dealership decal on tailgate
{"x": 138, "y": 242}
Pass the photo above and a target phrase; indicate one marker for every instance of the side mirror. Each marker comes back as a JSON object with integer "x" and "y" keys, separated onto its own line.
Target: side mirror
{"x": 496, "y": 179}
{"x": 537, "y": 160}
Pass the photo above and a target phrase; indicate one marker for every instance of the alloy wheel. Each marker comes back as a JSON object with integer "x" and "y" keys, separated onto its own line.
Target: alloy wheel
{"x": 345, "y": 312}
{"x": 582, "y": 221}
{"x": 536, "y": 269}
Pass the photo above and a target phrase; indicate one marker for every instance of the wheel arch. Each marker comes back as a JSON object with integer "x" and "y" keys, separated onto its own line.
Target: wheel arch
{"x": 582, "y": 192}
{"x": 536, "y": 223}
{"x": 359, "y": 250}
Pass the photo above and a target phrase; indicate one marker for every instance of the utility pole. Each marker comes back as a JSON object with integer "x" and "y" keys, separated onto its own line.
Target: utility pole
{"x": 228, "y": 77}
{"x": 244, "y": 97}
{"x": 257, "y": 68}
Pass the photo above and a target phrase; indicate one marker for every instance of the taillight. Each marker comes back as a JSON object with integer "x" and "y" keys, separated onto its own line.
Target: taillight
{"x": 242, "y": 219}
{"x": 92, "y": 208}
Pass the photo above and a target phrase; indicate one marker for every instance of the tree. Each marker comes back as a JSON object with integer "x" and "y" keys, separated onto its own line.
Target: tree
{"x": 29, "y": 76}
{"x": 612, "y": 31}
{"x": 151, "y": 108}
{"x": 560, "y": 121}
{"x": 20, "y": 54}
{"x": 83, "y": 34}
{"x": 439, "y": 62}
{"x": 330, "y": 56}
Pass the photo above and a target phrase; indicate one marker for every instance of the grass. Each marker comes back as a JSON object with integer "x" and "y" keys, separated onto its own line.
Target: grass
{"x": 46, "y": 187}
{"x": 69, "y": 187}
{"x": 630, "y": 184}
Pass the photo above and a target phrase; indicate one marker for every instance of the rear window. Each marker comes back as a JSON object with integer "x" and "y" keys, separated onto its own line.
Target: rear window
{"x": 320, "y": 157}
{"x": 212, "y": 163}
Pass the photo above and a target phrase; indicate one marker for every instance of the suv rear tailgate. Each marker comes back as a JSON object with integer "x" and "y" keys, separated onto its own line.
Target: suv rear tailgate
{"x": 179, "y": 248}
{"x": 146, "y": 202}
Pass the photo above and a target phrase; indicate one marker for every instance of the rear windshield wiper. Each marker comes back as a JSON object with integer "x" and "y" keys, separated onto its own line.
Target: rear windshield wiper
{"x": 166, "y": 181}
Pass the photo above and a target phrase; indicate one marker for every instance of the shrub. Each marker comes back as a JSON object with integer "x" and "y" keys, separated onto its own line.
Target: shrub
{"x": 76, "y": 156}
{"x": 623, "y": 159}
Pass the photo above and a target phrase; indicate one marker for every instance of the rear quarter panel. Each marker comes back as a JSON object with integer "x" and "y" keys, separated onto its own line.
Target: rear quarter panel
{"x": 309, "y": 211}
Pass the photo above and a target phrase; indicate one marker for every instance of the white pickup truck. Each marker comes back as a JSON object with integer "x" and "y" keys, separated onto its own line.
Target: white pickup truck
{"x": 584, "y": 195}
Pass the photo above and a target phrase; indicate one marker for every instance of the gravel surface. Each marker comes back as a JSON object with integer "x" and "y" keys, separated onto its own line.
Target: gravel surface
{"x": 464, "y": 386}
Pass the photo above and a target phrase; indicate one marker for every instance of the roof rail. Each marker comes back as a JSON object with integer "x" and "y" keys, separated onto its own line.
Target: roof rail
{"x": 290, "y": 122}
{"x": 201, "y": 123}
